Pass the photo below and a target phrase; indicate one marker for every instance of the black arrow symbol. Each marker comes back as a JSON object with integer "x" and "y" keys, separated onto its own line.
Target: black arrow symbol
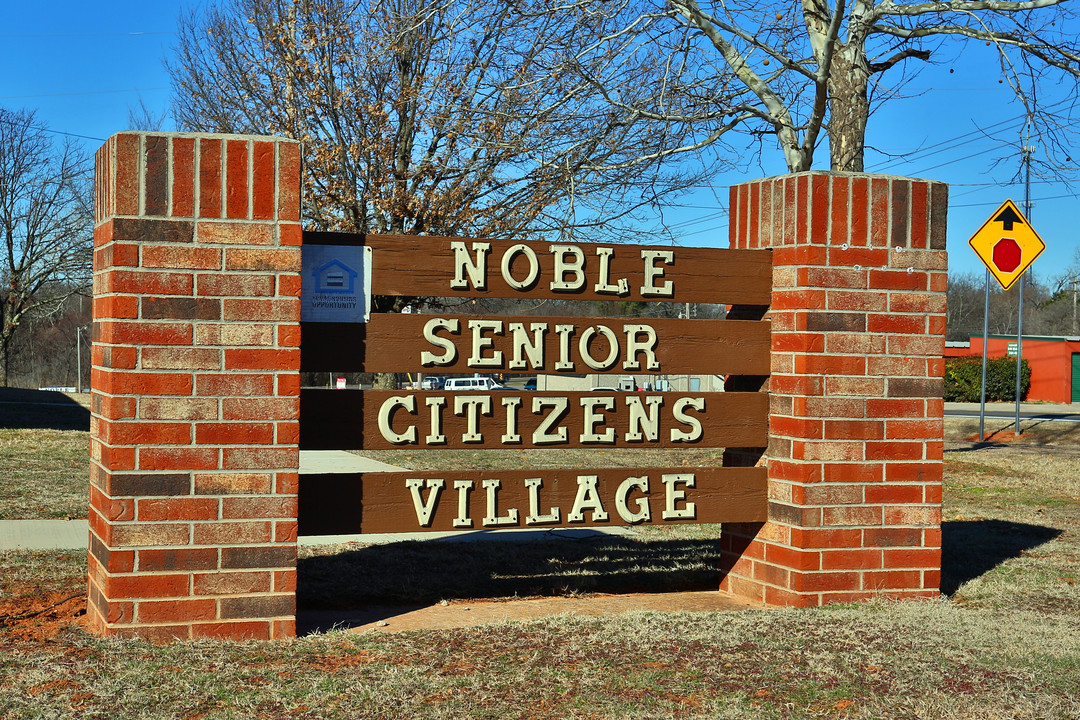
{"x": 1007, "y": 217}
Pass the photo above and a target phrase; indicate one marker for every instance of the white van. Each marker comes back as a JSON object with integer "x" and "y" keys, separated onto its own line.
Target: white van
{"x": 473, "y": 383}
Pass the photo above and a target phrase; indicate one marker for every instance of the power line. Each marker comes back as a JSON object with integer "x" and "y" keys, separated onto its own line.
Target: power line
{"x": 81, "y": 92}
{"x": 48, "y": 130}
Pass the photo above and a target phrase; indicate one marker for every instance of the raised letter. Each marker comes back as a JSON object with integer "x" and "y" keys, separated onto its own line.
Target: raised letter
{"x": 475, "y": 269}
{"x": 492, "y": 518}
{"x": 479, "y": 342}
{"x": 534, "y": 517}
{"x": 623, "y": 494}
{"x": 511, "y": 404}
{"x": 587, "y": 499}
{"x": 430, "y": 328}
{"x": 564, "y": 332}
{"x": 473, "y": 405}
{"x": 641, "y": 426}
{"x": 435, "y": 408}
{"x": 634, "y": 346}
{"x": 558, "y": 405}
{"x": 694, "y": 433}
{"x": 387, "y": 410}
{"x": 673, "y": 496}
{"x": 613, "y": 347}
{"x": 592, "y": 417}
{"x": 523, "y": 348}
{"x": 463, "y": 487}
{"x": 604, "y": 285}
{"x": 652, "y": 273}
{"x": 562, "y": 267}
{"x": 425, "y": 508}
{"x": 508, "y": 260}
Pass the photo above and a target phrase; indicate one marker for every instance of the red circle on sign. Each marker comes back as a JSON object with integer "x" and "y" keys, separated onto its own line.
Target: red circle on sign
{"x": 1007, "y": 255}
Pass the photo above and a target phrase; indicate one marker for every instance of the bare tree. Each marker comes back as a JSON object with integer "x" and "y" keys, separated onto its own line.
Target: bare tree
{"x": 45, "y": 224}
{"x": 806, "y": 71}
{"x": 444, "y": 117}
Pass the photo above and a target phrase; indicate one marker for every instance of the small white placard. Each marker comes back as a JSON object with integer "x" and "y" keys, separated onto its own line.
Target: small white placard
{"x": 336, "y": 283}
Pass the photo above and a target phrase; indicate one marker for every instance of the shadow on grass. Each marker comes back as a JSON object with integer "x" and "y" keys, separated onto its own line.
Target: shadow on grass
{"x": 41, "y": 410}
{"x": 970, "y": 548}
{"x": 334, "y": 590}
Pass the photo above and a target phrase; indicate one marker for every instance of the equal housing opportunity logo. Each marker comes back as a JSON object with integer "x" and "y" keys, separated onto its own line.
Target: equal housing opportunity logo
{"x": 336, "y": 283}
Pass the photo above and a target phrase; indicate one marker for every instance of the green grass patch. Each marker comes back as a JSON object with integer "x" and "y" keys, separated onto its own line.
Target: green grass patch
{"x": 44, "y": 473}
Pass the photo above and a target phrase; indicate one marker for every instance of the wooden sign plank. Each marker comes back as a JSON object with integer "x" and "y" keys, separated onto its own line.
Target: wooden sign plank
{"x": 491, "y": 500}
{"x": 394, "y": 342}
{"x": 418, "y": 266}
{"x": 383, "y": 419}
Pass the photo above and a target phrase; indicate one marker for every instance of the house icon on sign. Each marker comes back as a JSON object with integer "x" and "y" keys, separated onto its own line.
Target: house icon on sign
{"x": 335, "y": 277}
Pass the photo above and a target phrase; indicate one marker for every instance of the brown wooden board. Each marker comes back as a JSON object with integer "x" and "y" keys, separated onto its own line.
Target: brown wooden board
{"x": 498, "y": 344}
{"x": 385, "y": 502}
{"x": 350, "y": 419}
{"x": 419, "y": 266}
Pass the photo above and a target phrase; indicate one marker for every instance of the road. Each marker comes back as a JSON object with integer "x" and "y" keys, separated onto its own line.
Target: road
{"x": 1028, "y": 411}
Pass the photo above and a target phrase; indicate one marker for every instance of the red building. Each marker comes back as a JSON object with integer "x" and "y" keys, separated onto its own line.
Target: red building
{"x": 1054, "y": 361}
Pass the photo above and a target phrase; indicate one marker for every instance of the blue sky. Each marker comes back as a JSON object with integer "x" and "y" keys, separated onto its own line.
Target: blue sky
{"x": 83, "y": 65}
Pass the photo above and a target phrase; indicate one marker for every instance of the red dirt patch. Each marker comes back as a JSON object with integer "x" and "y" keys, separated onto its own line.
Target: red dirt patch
{"x": 30, "y": 616}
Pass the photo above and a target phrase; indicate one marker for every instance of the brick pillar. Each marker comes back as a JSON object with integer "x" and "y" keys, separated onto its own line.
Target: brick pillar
{"x": 195, "y": 386}
{"x": 856, "y": 411}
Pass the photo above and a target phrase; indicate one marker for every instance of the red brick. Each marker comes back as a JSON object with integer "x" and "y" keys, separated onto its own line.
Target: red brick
{"x": 825, "y": 538}
{"x": 914, "y": 429}
{"x": 175, "y": 611}
{"x": 175, "y": 257}
{"x": 232, "y": 583}
{"x": 236, "y": 508}
{"x": 126, "y": 198}
{"x": 928, "y": 472}
{"x": 287, "y": 483}
{"x": 794, "y": 427}
{"x": 792, "y": 558}
{"x": 827, "y": 581}
{"x": 263, "y": 259}
{"x": 851, "y": 559}
{"x": 231, "y": 533}
{"x": 233, "y": 385}
{"x": 248, "y": 359}
{"x": 236, "y": 181}
{"x": 210, "y": 177}
{"x": 178, "y": 458}
{"x": 889, "y": 493}
{"x": 909, "y": 302}
{"x": 262, "y": 310}
{"x": 260, "y": 458}
{"x": 902, "y": 366}
{"x": 913, "y": 558}
{"x": 857, "y": 300}
{"x": 879, "y": 212}
{"x": 290, "y": 234}
{"x": 159, "y": 509}
{"x": 151, "y": 408}
{"x": 893, "y": 537}
{"x": 287, "y": 433}
{"x": 118, "y": 358}
{"x": 183, "y": 172}
{"x": 913, "y": 515}
{"x": 289, "y": 285}
{"x": 184, "y": 559}
{"x": 288, "y": 384}
{"x": 285, "y": 532}
{"x": 851, "y": 515}
{"x": 142, "y": 333}
{"x": 263, "y": 199}
{"x": 245, "y": 433}
{"x": 260, "y": 409}
{"x": 141, "y": 282}
{"x": 125, "y": 382}
{"x": 819, "y": 364}
{"x": 894, "y": 450}
{"x": 143, "y": 433}
{"x": 289, "y": 170}
{"x": 147, "y": 586}
{"x": 910, "y": 324}
{"x": 798, "y": 298}
{"x": 234, "y": 284}
{"x": 233, "y": 483}
{"x": 899, "y": 280}
{"x": 236, "y": 233}
{"x": 181, "y": 359}
{"x": 243, "y": 334}
{"x": 893, "y": 580}
{"x": 122, "y": 307}
{"x": 288, "y": 335}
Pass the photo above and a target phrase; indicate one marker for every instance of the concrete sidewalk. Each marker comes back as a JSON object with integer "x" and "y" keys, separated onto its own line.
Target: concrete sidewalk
{"x": 75, "y": 534}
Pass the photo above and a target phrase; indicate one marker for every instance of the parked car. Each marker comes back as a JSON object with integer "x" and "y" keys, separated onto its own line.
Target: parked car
{"x": 530, "y": 384}
{"x": 473, "y": 383}
{"x": 433, "y": 382}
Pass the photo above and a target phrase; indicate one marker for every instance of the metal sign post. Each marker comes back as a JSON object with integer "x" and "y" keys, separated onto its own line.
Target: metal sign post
{"x": 1007, "y": 245}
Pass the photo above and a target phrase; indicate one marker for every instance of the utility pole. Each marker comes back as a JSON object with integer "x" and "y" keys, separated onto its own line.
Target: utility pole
{"x": 1028, "y": 151}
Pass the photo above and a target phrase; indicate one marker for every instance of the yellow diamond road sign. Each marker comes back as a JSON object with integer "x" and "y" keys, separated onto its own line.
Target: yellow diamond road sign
{"x": 1007, "y": 244}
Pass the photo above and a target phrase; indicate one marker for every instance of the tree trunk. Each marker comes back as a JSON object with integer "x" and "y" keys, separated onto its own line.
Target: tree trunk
{"x": 849, "y": 108}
